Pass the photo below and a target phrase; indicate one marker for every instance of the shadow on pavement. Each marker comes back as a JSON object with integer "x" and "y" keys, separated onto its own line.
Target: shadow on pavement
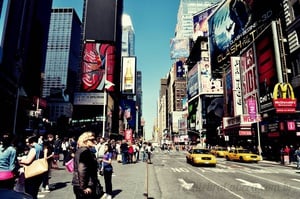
{"x": 58, "y": 185}
{"x": 116, "y": 192}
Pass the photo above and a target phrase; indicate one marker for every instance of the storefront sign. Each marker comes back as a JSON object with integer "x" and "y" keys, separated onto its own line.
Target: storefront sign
{"x": 284, "y": 98}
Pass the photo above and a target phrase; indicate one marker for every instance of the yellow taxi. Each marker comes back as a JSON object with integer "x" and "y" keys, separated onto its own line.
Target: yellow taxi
{"x": 242, "y": 155}
{"x": 219, "y": 151}
{"x": 198, "y": 156}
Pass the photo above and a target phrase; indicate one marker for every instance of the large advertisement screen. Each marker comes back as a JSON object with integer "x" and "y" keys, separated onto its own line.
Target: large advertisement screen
{"x": 128, "y": 75}
{"x": 100, "y": 24}
{"x": 98, "y": 65}
{"x": 231, "y": 26}
{"x": 267, "y": 74}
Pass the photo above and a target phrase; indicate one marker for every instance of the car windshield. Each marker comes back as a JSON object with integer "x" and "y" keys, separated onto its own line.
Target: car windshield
{"x": 201, "y": 151}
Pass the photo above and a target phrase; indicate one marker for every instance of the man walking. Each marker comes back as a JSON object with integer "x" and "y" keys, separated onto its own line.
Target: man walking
{"x": 297, "y": 154}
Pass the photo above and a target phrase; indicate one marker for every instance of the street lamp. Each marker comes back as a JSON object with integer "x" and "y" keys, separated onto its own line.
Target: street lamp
{"x": 252, "y": 111}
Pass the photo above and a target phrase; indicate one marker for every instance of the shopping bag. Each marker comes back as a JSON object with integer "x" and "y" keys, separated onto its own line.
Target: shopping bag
{"x": 70, "y": 165}
{"x": 37, "y": 167}
{"x": 119, "y": 158}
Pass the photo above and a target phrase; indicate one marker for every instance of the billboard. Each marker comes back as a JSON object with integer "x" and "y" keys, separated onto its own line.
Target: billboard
{"x": 179, "y": 48}
{"x": 234, "y": 25}
{"x": 128, "y": 109}
{"x": 179, "y": 69}
{"x": 101, "y": 20}
{"x": 193, "y": 82}
{"x": 266, "y": 66}
{"x": 128, "y": 75}
{"x": 98, "y": 65}
{"x": 200, "y": 22}
{"x": 212, "y": 109}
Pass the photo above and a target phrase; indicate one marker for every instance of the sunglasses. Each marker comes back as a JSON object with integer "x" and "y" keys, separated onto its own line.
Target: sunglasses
{"x": 92, "y": 140}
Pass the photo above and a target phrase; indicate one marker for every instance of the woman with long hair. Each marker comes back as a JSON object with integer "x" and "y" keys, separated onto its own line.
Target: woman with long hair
{"x": 107, "y": 170}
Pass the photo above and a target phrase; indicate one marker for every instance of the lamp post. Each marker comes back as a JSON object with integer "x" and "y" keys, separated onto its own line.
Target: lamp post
{"x": 252, "y": 111}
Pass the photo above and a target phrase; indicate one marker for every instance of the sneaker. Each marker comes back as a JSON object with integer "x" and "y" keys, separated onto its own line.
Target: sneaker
{"x": 108, "y": 196}
{"x": 45, "y": 190}
{"x": 104, "y": 196}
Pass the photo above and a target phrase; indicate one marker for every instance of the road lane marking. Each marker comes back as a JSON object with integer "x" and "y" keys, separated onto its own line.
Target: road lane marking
{"x": 297, "y": 180}
{"x": 272, "y": 181}
{"x": 180, "y": 170}
{"x": 216, "y": 183}
{"x": 185, "y": 185}
{"x": 250, "y": 184}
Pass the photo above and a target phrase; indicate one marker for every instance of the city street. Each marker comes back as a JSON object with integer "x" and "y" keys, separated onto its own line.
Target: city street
{"x": 170, "y": 177}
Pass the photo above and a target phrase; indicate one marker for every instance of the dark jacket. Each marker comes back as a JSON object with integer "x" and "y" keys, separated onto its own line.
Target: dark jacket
{"x": 85, "y": 169}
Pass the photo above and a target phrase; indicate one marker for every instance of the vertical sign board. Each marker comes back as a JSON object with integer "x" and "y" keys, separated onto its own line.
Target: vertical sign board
{"x": 228, "y": 94}
{"x": 128, "y": 75}
{"x": 236, "y": 85}
{"x": 249, "y": 77}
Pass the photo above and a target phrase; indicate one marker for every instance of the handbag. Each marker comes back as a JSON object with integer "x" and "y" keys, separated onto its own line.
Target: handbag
{"x": 37, "y": 167}
{"x": 70, "y": 165}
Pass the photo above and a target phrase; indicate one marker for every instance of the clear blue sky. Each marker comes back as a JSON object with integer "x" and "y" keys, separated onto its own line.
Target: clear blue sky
{"x": 154, "y": 23}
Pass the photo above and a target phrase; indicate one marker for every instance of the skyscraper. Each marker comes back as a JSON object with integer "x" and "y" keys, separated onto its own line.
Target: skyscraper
{"x": 62, "y": 62}
{"x": 24, "y": 43}
{"x": 128, "y": 36}
{"x": 63, "y": 52}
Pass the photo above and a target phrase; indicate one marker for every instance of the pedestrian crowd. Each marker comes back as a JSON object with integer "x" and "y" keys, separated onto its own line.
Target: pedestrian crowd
{"x": 92, "y": 157}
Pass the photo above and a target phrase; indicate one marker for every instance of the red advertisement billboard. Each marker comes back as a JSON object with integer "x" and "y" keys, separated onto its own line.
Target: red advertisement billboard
{"x": 249, "y": 77}
{"x": 266, "y": 65}
{"x": 98, "y": 62}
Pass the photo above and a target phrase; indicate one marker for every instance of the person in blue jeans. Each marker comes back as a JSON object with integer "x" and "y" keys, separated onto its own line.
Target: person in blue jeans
{"x": 107, "y": 170}
{"x": 297, "y": 154}
{"x": 124, "y": 151}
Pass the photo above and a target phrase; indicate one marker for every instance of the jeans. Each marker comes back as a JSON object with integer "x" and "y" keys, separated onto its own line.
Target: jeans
{"x": 298, "y": 162}
{"x": 108, "y": 183}
{"x": 124, "y": 157}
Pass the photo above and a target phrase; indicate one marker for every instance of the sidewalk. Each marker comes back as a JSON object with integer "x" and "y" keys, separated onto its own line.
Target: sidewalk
{"x": 130, "y": 181}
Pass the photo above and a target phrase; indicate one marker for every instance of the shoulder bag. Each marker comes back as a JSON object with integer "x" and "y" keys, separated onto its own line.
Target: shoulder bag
{"x": 37, "y": 167}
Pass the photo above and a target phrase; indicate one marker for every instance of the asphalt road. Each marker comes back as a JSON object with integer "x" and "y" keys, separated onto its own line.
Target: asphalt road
{"x": 170, "y": 177}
